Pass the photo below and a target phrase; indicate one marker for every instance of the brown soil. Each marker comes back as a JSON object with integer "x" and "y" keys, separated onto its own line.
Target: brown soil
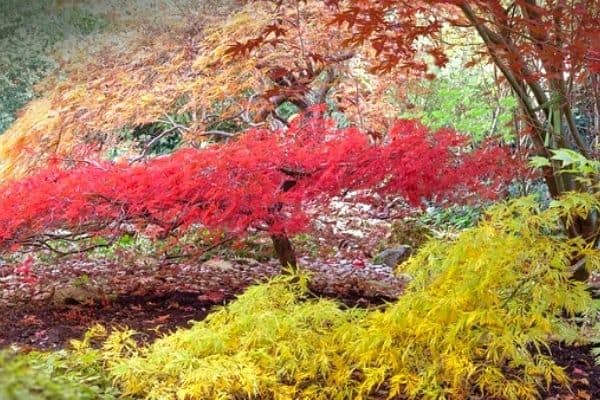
{"x": 41, "y": 326}
{"x": 579, "y": 364}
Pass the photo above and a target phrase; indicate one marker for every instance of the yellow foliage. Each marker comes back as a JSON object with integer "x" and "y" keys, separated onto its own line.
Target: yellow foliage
{"x": 474, "y": 319}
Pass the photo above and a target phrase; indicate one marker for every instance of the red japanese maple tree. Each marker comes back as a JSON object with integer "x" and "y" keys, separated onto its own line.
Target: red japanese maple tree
{"x": 269, "y": 181}
{"x": 547, "y": 52}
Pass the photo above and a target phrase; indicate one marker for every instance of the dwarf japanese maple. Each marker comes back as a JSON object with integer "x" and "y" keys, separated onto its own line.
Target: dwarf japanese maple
{"x": 269, "y": 181}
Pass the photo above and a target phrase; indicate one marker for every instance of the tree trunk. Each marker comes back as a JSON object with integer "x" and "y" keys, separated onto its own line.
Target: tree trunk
{"x": 546, "y": 109}
{"x": 586, "y": 228}
{"x": 284, "y": 250}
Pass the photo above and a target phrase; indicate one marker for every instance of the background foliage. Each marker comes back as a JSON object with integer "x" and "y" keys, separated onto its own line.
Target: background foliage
{"x": 29, "y": 30}
{"x": 465, "y": 99}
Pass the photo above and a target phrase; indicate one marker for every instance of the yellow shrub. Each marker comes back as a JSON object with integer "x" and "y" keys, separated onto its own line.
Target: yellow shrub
{"x": 473, "y": 320}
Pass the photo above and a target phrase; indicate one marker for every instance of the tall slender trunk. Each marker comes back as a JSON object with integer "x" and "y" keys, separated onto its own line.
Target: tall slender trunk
{"x": 545, "y": 115}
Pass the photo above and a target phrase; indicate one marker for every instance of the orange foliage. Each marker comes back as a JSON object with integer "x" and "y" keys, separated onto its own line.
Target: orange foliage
{"x": 195, "y": 69}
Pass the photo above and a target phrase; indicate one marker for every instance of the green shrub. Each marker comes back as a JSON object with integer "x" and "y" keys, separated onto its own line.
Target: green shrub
{"x": 465, "y": 99}
{"x": 452, "y": 218}
{"x": 594, "y": 321}
{"x": 474, "y": 319}
{"x": 53, "y": 376}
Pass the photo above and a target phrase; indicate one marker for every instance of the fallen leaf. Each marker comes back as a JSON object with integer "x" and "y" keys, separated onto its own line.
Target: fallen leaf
{"x": 212, "y": 296}
{"x": 30, "y": 320}
{"x": 581, "y": 394}
{"x": 159, "y": 320}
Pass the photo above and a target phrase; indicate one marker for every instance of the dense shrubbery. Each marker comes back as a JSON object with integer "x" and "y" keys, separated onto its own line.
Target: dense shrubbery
{"x": 476, "y": 317}
{"x": 452, "y": 218}
{"x": 454, "y": 100}
{"x": 56, "y": 376}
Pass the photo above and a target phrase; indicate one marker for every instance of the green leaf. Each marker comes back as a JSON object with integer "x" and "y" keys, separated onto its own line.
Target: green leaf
{"x": 539, "y": 162}
{"x": 568, "y": 157}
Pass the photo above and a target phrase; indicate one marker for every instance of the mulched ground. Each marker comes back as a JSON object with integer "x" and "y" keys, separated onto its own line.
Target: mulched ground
{"x": 162, "y": 300}
{"x": 44, "y": 327}
{"x": 65, "y": 301}
{"x": 584, "y": 373}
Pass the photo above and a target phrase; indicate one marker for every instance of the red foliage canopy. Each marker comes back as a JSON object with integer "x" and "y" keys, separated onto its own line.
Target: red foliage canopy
{"x": 264, "y": 180}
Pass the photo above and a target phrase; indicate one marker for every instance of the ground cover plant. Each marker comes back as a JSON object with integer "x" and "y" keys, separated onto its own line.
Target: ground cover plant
{"x": 40, "y": 375}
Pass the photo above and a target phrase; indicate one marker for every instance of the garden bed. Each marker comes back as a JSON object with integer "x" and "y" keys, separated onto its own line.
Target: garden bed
{"x": 67, "y": 300}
